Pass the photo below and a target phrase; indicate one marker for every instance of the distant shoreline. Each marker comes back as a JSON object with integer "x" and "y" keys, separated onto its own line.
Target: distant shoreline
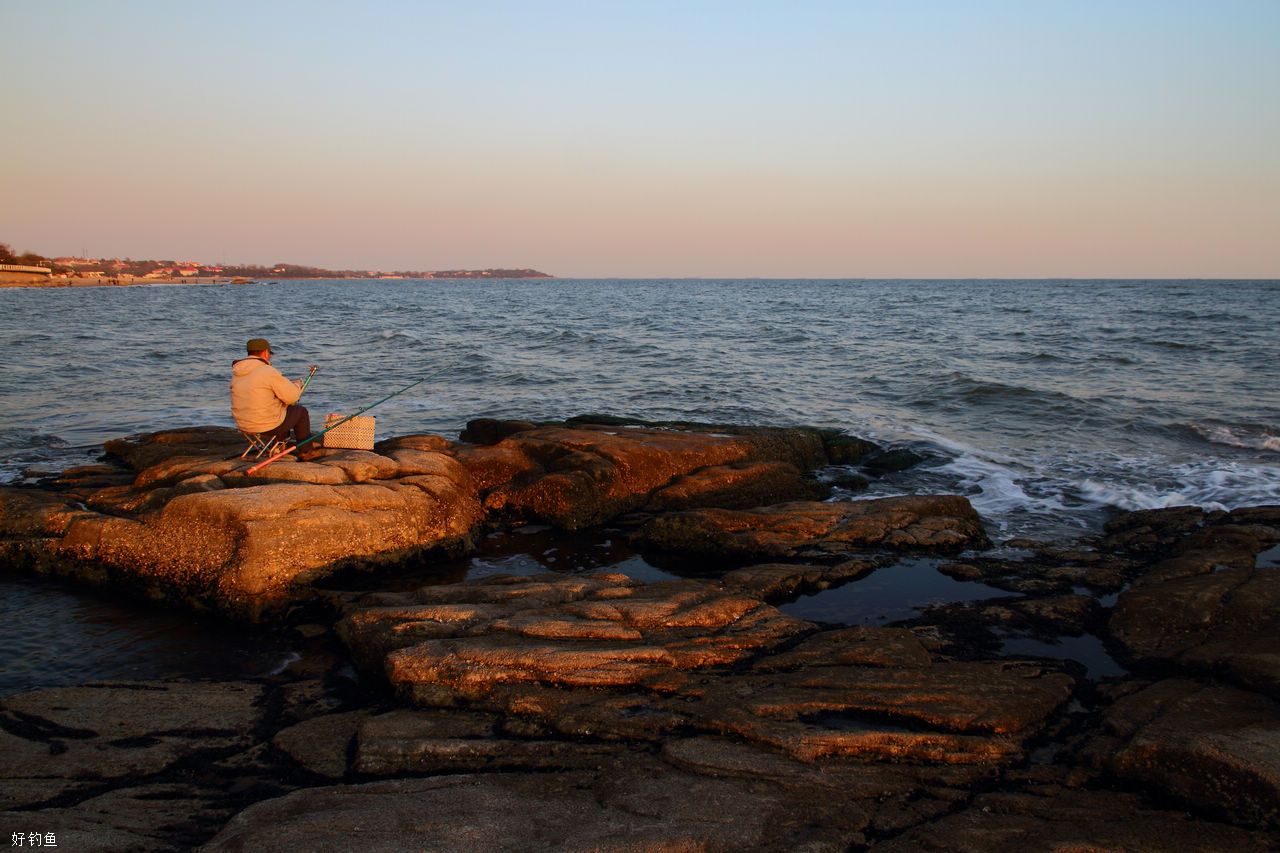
{"x": 112, "y": 281}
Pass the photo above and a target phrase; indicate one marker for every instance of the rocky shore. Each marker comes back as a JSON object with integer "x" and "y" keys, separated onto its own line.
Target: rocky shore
{"x": 593, "y": 710}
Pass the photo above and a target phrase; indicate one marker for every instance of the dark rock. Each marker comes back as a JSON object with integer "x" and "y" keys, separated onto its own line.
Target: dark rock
{"x": 491, "y": 431}
{"x": 162, "y": 816}
{"x": 403, "y": 743}
{"x": 775, "y": 582}
{"x": 1210, "y": 746}
{"x": 891, "y": 461}
{"x": 922, "y": 521}
{"x": 844, "y": 449}
{"x": 861, "y": 646}
{"x": 1052, "y": 818}
{"x": 1151, "y": 529}
{"x": 321, "y": 745}
{"x": 630, "y": 807}
{"x": 1227, "y": 622}
{"x": 119, "y": 729}
{"x": 947, "y": 712}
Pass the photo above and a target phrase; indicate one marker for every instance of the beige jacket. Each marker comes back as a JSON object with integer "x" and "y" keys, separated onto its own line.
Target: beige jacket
{"x": 259, "y": 395}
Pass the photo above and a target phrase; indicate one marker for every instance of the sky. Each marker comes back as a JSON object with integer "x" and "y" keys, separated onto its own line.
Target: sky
{"x": 895, "y": 139}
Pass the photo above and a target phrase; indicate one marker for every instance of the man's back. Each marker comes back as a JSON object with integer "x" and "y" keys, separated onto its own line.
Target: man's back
{"x": 259, "y": 395}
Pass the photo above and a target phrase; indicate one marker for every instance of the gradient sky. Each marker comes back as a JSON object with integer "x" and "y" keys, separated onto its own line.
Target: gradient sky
{"x": 806, "y": 139}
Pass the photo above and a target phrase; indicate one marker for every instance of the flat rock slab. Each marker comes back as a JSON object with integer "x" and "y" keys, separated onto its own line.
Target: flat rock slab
{"x": 1202, "y": 605}
{"x": 609, "y": 658}
{"x": 118, "y": 729}
{"x": 628, "y": 808}
{"x": 1053, "y": 819}
{"x": 404, "y": 743}
{"x": 776, "y": 582}
{"x": 1211, "y": 746}
{"x": 947, "y": 712}
{"x": 597, "y": 631}
{"x": 917, "y": 522}
{"x": 157, "y": 817}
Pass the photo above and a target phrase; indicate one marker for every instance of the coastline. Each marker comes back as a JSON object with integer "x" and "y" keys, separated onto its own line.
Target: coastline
{"x": 109, "y": 281}
{"x": 555, "y": 688}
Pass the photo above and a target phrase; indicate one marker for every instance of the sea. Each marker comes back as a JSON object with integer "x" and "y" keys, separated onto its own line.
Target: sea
{"x": 1050, "y": 404}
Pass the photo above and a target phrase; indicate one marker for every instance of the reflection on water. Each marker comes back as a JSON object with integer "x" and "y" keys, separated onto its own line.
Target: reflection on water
{"x": 888, "y": 594}
{"x": 528, "y": 550}
{"x": 1087, "y": 650}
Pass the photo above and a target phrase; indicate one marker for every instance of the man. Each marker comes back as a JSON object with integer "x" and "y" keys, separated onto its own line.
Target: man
{"x": 264, "y": 402}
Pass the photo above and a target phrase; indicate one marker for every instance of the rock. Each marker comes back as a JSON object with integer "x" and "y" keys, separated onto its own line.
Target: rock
{"x": 724, "y": 758}
{"x": 737, "y": 485}
{"x": 1151, "y": 529}
{"x": 916, "y": 522}
{"x": 321, "y": 745}
{"x": 861, "y": 646}
{"x": 144, "y": 450}
{"x": 119, "y": 729}
{"x": 162, "y": 816}
{"x": 1052, "y": 818}
{"x": 302, "y": 700}
{"x": 26, "y": 513}
{"x": 891, "y": 461}
{"x": 216, "y": 537}
{"x": 575, "y": 477}
{"x": 1048, "y": 573}
{"x": 636, "y": 806}
{"x": 947, "y": 712}
{"x": 1227, "y": 623}
{"x": 402, "y": 743}
{"x": 844, "y": 449}
{"x": 193, "y": 525}
{"x": 491, "y": 431}
{"x": 775, "y": 582}
{"x": 1210, "y": 746}
{"x": 552, "y": 629}
{"x": 1055, "y": 615}
{"x": 421, "y": 443}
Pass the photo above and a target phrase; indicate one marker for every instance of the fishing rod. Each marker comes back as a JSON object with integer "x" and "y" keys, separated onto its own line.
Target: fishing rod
{"x": 337, "y": 424}
{"x": 311, "y": 371}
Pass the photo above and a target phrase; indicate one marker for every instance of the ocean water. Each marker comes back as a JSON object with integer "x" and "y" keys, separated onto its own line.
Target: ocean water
{"x": 1048, "y": 403}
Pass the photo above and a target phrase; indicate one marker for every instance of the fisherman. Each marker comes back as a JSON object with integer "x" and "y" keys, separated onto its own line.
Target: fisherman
{"x": 264, "y": 402}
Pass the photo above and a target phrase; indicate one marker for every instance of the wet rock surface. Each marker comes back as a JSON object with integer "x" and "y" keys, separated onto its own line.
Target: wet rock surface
{"x": 590, "y": 710}
{"x": 180, "y": 517}
{"x": 937, "y": 522}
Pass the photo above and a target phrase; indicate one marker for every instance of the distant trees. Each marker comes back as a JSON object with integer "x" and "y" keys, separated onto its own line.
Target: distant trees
{"x": 30, "y": 259}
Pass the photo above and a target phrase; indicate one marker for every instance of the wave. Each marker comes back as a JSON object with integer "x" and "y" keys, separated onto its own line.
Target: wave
{"x": 961, "y": 387}
{"x": 1210, "y": 486}
{"x": 1249, "y": 436}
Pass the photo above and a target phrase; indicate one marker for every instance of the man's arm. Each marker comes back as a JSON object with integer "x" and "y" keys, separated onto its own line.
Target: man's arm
{"x": 284, "y": 389}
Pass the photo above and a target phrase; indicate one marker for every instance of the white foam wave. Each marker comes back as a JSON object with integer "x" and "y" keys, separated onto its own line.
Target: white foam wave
{"x": 1211, "y": 484}
{"x": 999, "y": 492}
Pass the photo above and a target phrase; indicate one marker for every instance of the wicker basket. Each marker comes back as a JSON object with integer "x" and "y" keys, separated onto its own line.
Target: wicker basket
{"x": 355, "y": 434}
